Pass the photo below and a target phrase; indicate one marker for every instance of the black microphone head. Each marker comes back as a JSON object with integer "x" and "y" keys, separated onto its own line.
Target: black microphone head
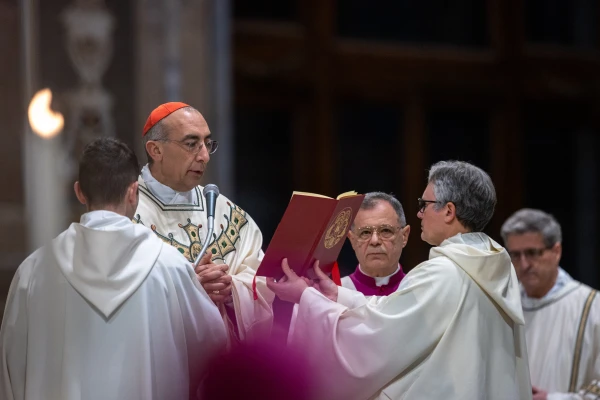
{"x": 210, "y": 188}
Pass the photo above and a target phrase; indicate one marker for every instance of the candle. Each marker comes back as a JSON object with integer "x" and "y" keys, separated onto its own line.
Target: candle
{"x": 45, "y": 181}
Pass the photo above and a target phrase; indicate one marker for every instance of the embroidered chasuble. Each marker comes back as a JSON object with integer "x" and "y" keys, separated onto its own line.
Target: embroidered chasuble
{"x": 236, "y": 241}
{"x": 369, "y": 286}
{"x": 563, "y": 340}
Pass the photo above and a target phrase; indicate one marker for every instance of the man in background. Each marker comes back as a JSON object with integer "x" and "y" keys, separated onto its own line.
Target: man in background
{"x": 562, "y": 316}
{"x": 106, "y": 310}
{"x": 378, "y": 235}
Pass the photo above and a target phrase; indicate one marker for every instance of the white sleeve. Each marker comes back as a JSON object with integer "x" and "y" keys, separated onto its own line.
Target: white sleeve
{"x": 13, "y": 335}
{"x": 564, "y": 396}
{"x": 590, "y": 392}
{"x": 350, "y": 298}
{"x": 358, "y": 345}
{"x": 205, "y": 331}
{"x": 254, "y": 317}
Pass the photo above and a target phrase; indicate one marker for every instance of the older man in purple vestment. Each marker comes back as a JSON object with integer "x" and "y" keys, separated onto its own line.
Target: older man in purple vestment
{"x": 378, "y": 235}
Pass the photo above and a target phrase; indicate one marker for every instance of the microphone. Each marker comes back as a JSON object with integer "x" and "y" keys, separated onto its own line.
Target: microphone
{"x": 210, "y": 192}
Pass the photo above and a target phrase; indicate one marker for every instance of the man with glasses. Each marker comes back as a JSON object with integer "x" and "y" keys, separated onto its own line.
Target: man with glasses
{"x": 178, "y": 144}
{"x": 562, "y": 316}
{"x": 452, "y": 330}
{"x": 378, "y": 235}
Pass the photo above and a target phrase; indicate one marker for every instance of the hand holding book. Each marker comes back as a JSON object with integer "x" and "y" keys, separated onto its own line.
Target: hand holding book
{"x": 313, "y": 227}
{"x": 291, "y": 286}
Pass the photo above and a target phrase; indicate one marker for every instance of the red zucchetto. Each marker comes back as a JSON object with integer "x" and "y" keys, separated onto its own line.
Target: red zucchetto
{"x": 161, "y": 112}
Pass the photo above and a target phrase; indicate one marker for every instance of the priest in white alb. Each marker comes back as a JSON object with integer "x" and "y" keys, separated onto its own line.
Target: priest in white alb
{"x": 453, "y": 329}
{"x": 178, "y": 144}
{"x": 107, "y": 310}
{"x": 562, "y": 315}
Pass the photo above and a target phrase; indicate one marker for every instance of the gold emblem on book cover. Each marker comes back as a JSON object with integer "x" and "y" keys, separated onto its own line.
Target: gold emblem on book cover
{"x": 338, "y": 228}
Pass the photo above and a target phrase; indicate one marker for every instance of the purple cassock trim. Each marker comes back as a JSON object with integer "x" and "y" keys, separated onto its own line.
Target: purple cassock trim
{"x": 367, "y": 285}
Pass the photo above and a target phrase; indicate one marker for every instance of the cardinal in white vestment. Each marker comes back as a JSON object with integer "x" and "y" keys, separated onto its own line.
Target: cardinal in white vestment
{"x": 452, "y": 330}
{"x": 178, "y": 145}
{"x": 562, "y": 315}
{"x": 107, "y": 310}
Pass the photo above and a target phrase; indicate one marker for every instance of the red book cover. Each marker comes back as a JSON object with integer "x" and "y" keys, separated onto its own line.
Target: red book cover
{"x": 313, "y": 228}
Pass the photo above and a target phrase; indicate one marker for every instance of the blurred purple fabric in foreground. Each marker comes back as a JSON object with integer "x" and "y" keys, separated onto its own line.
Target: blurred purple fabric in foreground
{"x": 263, "y": 371}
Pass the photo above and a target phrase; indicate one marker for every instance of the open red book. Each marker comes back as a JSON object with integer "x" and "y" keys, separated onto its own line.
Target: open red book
{"x": 313, "y": 227}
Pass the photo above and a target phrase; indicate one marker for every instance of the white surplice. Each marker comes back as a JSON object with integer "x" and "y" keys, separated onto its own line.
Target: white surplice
{"x": 560, "y": 363}
{"x": 180, "y": 220}
{"x": 106, "y": 311}
{"x": 452, "y": 330}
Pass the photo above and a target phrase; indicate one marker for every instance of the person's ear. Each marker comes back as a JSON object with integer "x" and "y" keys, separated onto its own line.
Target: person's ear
{"x": 352, "y": 239}
{"x": 132, "y": 193}
{"x": 79, "y": 193}
{"x": 154, "y": 150}
{"x": 449, "y": 212}
{"x": 405, "y": 232}
{"x": 557, "y": 251}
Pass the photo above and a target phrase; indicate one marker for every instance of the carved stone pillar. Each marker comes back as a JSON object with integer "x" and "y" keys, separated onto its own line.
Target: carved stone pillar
{"x": 89, "y": 26}
{"x": 13, "y": 238}
{"x": 183, "y": 54}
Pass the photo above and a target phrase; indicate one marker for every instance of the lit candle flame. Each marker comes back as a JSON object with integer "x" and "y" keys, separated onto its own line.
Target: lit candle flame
{"x": 44, "y": 122}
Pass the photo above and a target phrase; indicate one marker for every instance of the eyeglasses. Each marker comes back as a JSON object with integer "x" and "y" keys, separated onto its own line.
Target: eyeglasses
{"x": 531, "y": 254}
{"x": 384, "y": 232}
{"x": 194, "y": 146}
{"x": 422, "y": 204}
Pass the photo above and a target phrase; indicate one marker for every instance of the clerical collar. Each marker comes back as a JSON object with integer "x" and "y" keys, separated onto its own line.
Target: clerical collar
{"x": 562, "y": 280}
{"x": 165, "y": 193}
{"x": 379, "y": 280}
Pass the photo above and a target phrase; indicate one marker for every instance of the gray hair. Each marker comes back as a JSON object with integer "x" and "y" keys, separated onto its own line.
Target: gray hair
{"x": 372, "y": 198}
{"x": 470, "y": 189}
{"x": 529, "y": 220}
{"x": 159, "y": 132}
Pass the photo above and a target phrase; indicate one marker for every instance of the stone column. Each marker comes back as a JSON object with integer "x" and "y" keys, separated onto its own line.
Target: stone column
{"x": 183, "y": 54}
{"x": 13, "y": 238}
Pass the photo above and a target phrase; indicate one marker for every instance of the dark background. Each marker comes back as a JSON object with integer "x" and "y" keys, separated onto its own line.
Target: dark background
{"x": 331, "y": 96}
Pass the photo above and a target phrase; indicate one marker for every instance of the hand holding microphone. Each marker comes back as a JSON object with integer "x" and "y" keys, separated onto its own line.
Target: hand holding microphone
{"x": 213, "y": 278}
